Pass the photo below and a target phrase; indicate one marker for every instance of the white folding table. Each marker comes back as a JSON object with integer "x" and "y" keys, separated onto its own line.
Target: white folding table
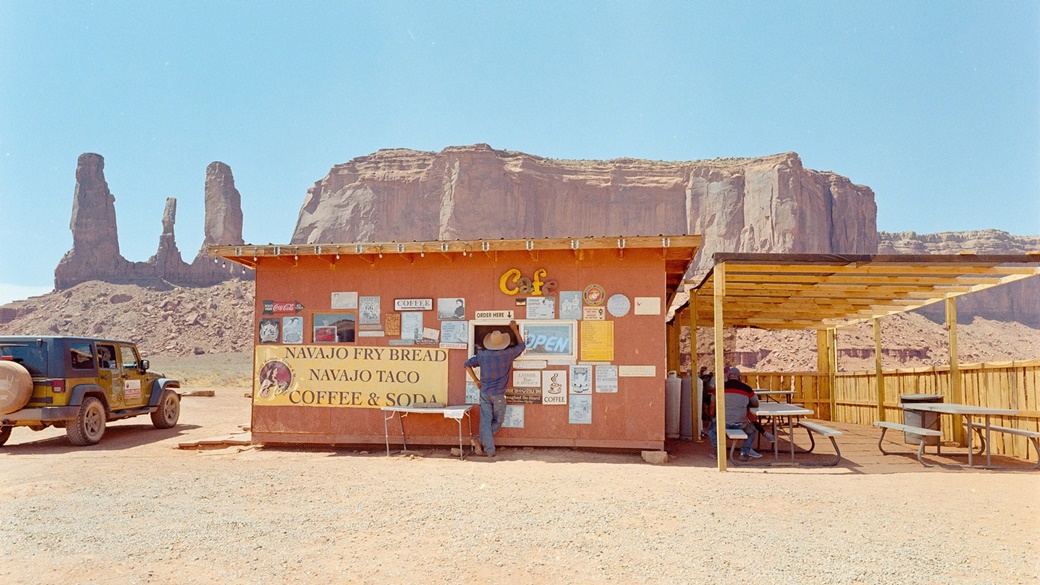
{"x": 456, "y": 413}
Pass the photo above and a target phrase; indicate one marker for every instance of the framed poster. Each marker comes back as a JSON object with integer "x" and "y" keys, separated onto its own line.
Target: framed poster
{"x": 550, "y": 340}
{"x": 334, "y": 327}
{"x": 270, "y": 330}
{"x": 451, "y": 309}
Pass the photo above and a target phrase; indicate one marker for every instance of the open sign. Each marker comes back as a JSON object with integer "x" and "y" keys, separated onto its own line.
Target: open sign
{"x": 550, "y": 340}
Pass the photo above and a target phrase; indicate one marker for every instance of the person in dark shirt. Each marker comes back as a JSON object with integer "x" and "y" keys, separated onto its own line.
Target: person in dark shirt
{"x": 495, "y": 362}
{"x": 739, "y": 399}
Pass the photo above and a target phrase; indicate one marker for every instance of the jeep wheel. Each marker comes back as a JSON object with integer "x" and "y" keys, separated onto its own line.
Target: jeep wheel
{"x": 89, "y": 425}
{"x": 16, "y": 387}
{"x": 5, "y": 433}
{"x": 169, "y": 411}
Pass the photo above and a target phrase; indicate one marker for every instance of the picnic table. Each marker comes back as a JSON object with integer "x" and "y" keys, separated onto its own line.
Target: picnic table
{"x": 969, "y": 411}
{"x": 456, "y": 413}
{"x": 777, "y": 410}
{"x": 772, "y": 394}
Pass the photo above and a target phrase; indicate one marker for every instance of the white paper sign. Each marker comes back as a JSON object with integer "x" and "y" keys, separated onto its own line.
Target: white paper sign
{"x": 606, "y": 379}
{"x": 493, "y": 315}
{"x": 648, "y": 306}
{"x": 581, "y": 379}
{"x": 344, "y": 300}
{"x": 637, "y": 371}
{"x": 527, "y": 378}
{"x": 580, "y": 410}
{"x": 554, "y": 387}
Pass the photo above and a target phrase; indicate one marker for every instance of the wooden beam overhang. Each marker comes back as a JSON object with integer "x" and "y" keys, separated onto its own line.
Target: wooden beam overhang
{"x": 802, "y": 291}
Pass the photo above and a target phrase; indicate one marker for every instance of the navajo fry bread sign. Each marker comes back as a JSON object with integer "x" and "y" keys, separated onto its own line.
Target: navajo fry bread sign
{"x": 349, "y": 377}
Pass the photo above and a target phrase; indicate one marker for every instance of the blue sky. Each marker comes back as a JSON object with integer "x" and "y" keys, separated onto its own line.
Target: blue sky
{"x": 934, "y": 105}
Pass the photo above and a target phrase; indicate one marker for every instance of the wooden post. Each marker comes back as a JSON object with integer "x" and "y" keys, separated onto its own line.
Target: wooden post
{"x": 826, "y": 362}
{"x": 698, "y": 424}
{"x": 878, "y": 372}
{"x": 720, "y": 381}
{"x": 956, "y": 391}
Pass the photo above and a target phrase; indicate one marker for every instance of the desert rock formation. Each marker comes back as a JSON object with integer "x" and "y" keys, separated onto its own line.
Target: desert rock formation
{"x": 95, "y": 243}
{"x": 768, "y": 204}
{"x": 1016, "y": 301}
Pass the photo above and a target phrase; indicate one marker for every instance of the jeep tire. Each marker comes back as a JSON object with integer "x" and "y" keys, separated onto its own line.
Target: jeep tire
{"x": 5, "y": 433}
{"x": 169, "y": 411}
{"x": 89, "y": 426}
{"x": 16, "y": 387}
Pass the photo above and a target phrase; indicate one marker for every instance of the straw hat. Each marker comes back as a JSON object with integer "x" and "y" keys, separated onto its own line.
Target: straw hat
{"x": 496, "y": 340}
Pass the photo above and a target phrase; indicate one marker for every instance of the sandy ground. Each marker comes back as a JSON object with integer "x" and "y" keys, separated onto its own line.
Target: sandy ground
{"x": 136, "y": 509}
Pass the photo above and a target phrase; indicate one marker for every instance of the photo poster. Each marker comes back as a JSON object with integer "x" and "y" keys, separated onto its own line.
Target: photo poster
{"x": 454, "y": 332}
{"x": 333, "y": 327}
{"x": 514, "y": 418}
{"x": 368, "y": 311}
{"x": 541, "y": 308}
{"x": 412, "y": 325}
{"x": 581, "y": 379}
{"x": 270, "y": 330}
{"x": 292, "y": 330}
{"x": 570, "y": 305}
{"x": 554, "y": 387}
{"x": 579, "y": 411}
{"x": 344, "y": 300}
{"x": 451, "y": 309}
{"x": 606, "y": 379}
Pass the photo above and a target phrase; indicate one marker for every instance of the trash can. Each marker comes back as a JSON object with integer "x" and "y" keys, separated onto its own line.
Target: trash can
{"x": 920, "y": 418}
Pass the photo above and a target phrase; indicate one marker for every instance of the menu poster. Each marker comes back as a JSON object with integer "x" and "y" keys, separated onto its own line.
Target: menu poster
{"x": 580, "y": 410}
{"x": 606, "y": 379}
{"x": 597, "y": 341}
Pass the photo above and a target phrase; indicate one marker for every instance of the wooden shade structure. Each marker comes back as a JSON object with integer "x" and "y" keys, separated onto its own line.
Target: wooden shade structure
{"x": 827, "y": 291}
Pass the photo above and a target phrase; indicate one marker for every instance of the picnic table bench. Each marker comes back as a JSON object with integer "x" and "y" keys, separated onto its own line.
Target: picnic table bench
{"x": 732, "y": 436}
{"x": 1032, "y": 436}
{"x": 815, "y": 427}
{"x": 919, "y": 431}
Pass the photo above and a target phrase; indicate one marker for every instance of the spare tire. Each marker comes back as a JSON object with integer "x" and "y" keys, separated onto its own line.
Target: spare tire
{"x": 16, "y": 386}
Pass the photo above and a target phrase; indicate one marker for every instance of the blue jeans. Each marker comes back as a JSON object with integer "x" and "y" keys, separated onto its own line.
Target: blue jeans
{"x": 492, "y": 414}
{"x": 748, "y": 427}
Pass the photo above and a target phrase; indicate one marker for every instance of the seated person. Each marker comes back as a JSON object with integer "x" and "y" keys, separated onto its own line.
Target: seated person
{"x": 739, "y": 398}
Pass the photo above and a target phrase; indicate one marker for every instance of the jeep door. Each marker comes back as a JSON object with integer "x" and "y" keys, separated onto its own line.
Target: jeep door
{"x": 110, "y": 375}
{"x": 135, "y": 394}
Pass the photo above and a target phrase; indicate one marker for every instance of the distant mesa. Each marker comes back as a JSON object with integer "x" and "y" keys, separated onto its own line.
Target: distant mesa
{"x": 765, "y": 204}
{"x": 95, "y": 251}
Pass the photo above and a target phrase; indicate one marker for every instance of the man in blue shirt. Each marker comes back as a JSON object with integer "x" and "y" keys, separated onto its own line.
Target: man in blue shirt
{"x": 495, "y": 362}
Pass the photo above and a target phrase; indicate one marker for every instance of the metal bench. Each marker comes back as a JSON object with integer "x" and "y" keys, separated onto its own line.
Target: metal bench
{"x": 815, "y": 427}
{"x": 922, "y": 432}
{"x": 732, "y": 436}
{"x": 1032, "y": 436}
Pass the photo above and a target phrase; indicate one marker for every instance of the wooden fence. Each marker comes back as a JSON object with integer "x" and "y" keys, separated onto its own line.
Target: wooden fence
{"x": 1013, "y": 385}
{"x": 999, "y": 385}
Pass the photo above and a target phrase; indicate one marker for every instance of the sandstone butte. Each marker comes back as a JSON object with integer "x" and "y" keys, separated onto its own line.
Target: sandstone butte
{"x": 766, "y": 204}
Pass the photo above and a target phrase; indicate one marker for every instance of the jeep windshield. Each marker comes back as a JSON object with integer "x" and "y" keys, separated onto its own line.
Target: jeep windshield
{"x": 31, "y": 356}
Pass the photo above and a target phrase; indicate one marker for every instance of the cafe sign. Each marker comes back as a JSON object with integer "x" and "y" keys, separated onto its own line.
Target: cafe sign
{"x": 513, "y": 283}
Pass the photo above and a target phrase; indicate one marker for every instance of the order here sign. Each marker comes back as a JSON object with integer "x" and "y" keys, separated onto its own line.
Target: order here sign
{"x": 349, "y": 377}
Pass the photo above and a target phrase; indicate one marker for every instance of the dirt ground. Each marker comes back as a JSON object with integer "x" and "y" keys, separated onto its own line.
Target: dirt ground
{"x": 137, "y": 509}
